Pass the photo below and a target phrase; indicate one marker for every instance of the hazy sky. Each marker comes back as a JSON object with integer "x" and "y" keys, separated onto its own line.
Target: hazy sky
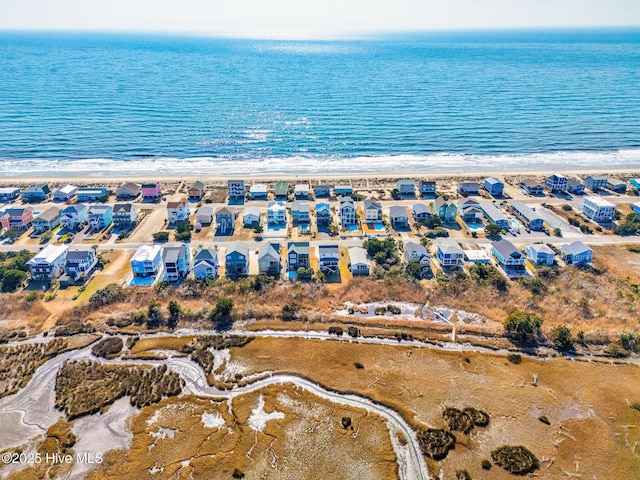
{"x": 311, "y": 18}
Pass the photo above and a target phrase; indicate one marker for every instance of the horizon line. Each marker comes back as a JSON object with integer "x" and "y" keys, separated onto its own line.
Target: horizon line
{"x": 360, "y": 35}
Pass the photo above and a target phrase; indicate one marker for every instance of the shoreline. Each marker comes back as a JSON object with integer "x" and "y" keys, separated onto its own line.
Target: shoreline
{"x": 313, "y": 178}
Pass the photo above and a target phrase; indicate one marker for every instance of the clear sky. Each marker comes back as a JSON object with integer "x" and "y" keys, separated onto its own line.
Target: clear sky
{"x": 311, "y": 18}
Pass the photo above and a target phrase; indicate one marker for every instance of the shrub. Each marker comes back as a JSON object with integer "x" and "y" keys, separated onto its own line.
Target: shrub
{"x": 523, "y": 326}
{"x": 492, "y": 230}
{"x": 161, "y": 237}
{"x": 516, "y": 460}
{"x": 223, "y": 307}
{"x": 139, "y": 317}
{"x": 108, "y": 295}
{"x": 462, "y": 475}
{"x": 515, "y": 358}
{"x": 561, "y": 338}
{"x": 567, "y": 208}
{"x": 436, "y": 443}
{"x": 290, "y": 310}
{"x": 557, "y": 232}
{"x": 154, "y": 315}
{"x": 629, "y": 341}
{"x": 353, "y": 331}
{"x": 336, "y": 331}
{"x": 358, "y": 365}
{"x": 486, "y": 464}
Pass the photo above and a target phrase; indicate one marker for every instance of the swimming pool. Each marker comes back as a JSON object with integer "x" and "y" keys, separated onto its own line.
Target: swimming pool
{"x": 352, "y": 228}
{"x": 515, "y": 224}
{"x": 378, "y": 227}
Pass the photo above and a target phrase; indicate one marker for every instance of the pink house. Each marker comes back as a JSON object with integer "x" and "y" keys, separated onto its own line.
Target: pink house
{"x": 151, "y": 191}
{"x": 18, "y": 218}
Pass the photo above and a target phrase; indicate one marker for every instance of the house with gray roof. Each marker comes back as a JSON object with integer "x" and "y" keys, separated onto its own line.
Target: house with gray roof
{"x": 449, "y": 253}
{"x": 576, "y": 253}
{"x": 47, "y": 220}
{"x": 359, "y": 263}
{"x": 540, "y": 254}
{"x": 509, "y": 257}
{"x": 269, "y": 259}
{"x": 417, "y": 253}
{"x": 177, "y": 261}
{"x": 527, "y": 216}
{"x": 399, "y": 217}
{"x": 420, "y": 212}
{"x": 205, "y": 264}
{"x": 237, "y": 259}
{"x": 297, "y": 255}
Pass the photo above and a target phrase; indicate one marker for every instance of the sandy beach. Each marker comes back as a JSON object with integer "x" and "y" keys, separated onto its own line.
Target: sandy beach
{"x": 360, "y": 179}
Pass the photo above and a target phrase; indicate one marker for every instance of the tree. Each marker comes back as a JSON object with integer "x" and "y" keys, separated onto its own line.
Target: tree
{"x": 174, "y": 313}
{"x": 524, "y": 326}
{"x": 492, "y": 230}
{"x": 413, "y": 271}
{"x": 432, "y": 221}
{"x": 426, "y": 242}
{"x": 561, "y": 338}
{"x": 395, "y": 194}
{"x": 290, "y": 310}
{"x": 333, "y": 229}
{"x": 557, "y": 232}
{"x": 12, "y": 234}
{"x": 224, "y": 306}
{"x": 13, "y": 279}
{"x": 154, "y": 315}
{"x": 258, "y": 229}
{"x": 46, "y": 236}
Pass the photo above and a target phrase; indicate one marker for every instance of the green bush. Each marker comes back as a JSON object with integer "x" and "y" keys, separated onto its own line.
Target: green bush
{"x": 223, "y": 308}
{"x": 161, "y": 237}
{"x": 523, "y": 326}
{"x": 562, "y": 338}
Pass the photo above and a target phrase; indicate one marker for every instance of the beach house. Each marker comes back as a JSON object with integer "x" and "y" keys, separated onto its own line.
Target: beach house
{"x": 73, "y": 216}
{"x": 276, "y": 213}
{"x": 416, "y": 253}
{"x": 420, "y": 212}
{"x": 449, "y": 253}
{"x": 557, "y": 182}
{"x": 494, "y": 215}
{"x": 251, "y": 217}
{"x": 493, "y": 186}
{"x": 343, "y": 190}
{"x": 281, "y": 190}
{"x": 147, "y": 261}
{"x": 347, "y": 211}
{"x": 65, "y": 193}
{"x": 204, "y": 215}
{"x": 358, "y": 261}
{"x": 470, "y": 211}
{"x": 468, "y": 188}
{"x": 47, "y": 220}
{"x": 406, "y": 187}
{"x": 258, "y": 191}
{"x": 205, "y": 264}
{"x": 178, "y": 211}
{"x": 9, "y": 194}
{"x": 532, "y": 187}
{"x": 225, "y": 219}
{"x": 100, "y": 217}
{"x": 446, "y": 210}
{"x": 540, "y": 254}
{"x": 616, "y": 185}
{"x": 151, "y": 192}
{"x": 236, "y": 190}
{"x": 129, "y": 191}
{"x": 176, "y": 262}
{"x": 237, "y": 259}
{"x": 322, "y": 190}
{"x": 576, "y": 253}
{"x": 18, "y": 218}
{"x": 125, "y": 215}
{"x": 37, "y": 193}
{"x": 427, "y": 187}
{"x": 269, "y": 259}
{"x": 328, "y": 258}
{"x": 527, "y": 216}
{"x": 323, "y": 214}
{"x": 508, "y": 256}
{"x": 49, "y": 262}
{"x": 598, "y": 209}
{"x": 196, "y": 191}
{"x": 80, "y": 264}
{"x": 575, "y": 187}
{"x": 595, "y": 182}
{"x": 301, "y": 191}
{"x": 399, "y": 217}
{"x": 297, "y": 255}
{"x": 372, "y": 211}
{"x": 300, "y": 213}
{"x": 88, "y": 195}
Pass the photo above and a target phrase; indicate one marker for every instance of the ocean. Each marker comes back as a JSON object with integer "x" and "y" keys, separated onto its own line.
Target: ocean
{"x": 98, "y": 104}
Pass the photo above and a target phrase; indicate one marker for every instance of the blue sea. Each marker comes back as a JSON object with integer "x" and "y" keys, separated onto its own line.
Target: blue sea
{"x": 102, "y": 104}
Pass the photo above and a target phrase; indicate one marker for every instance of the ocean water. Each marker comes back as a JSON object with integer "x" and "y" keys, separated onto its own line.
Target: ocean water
{"x": 101, "y": 104}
